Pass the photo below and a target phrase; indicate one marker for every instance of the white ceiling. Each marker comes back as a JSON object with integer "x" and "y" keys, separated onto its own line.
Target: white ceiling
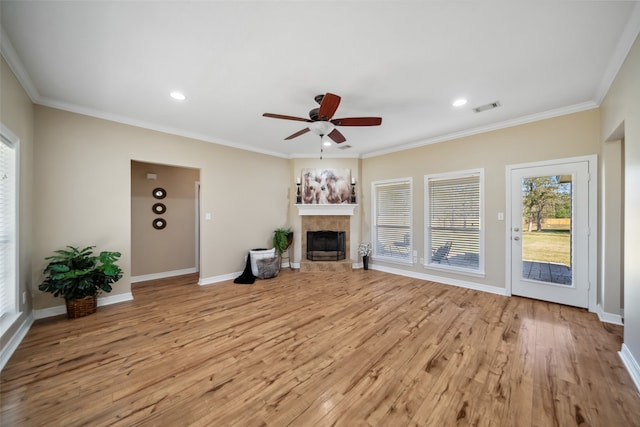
{"x": 405, "y": 61}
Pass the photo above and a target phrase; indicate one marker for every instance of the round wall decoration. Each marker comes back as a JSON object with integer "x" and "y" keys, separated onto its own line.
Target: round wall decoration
{"x": 159, "y": 223}
{"x": 159, "y": 208}
{"x": 159, "y": 193}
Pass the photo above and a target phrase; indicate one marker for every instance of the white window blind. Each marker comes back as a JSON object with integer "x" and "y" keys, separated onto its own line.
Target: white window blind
{"x": 392, "y": 212}
{"x": 8, "y": 199}
{"x": 453, "y": 216}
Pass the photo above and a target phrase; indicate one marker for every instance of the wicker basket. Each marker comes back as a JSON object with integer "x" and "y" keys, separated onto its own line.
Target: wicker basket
{"x": 81, "y": 307}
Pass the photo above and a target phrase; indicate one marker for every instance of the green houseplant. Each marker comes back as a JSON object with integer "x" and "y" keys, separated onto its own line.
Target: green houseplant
{"x": 79, "y": 276}
{"x": 282, "y": 238}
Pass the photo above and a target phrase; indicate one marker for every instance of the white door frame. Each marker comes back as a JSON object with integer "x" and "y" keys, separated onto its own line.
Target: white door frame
{"x": 197, "y": 225}
{"x": 592, "y": 221}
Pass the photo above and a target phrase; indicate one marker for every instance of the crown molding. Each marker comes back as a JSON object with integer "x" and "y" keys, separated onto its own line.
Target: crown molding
{"x": 576, "y": 108}
{"x": 626, "y": 41}
{"x": 13, "y": 60}
{"x": 72, "y": 108}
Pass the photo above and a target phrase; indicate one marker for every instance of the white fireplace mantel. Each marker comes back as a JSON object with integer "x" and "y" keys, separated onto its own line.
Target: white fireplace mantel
{"x": 327, "y": 209}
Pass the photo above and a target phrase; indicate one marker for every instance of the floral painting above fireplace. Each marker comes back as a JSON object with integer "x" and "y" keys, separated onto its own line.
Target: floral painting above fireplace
{"x": 326, "y": 186}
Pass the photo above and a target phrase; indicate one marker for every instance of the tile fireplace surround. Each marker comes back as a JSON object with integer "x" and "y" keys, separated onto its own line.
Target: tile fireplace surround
{"x": 320, "y": 223}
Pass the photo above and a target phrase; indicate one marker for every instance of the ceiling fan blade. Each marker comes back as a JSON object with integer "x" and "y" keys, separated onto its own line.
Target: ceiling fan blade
{"x": 280, "y": 116}
{"x": 300, "y": 132}
{"x": 358, "y": 121}
{"x": 337, "y": 136}
{"x": 328, "y": 106}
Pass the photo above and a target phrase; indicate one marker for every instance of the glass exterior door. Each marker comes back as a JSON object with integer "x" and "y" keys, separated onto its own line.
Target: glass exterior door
{"x": 549, "y": 233}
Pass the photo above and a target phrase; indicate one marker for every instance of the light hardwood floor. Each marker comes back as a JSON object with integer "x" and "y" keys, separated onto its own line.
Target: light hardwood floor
{"x": 304, "y": 349}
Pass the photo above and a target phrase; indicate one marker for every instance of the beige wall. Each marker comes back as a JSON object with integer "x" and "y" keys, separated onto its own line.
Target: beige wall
{"x": 174, "y": 247}
{"x": 83, "y": 191}
{"x": 16, "y": 113}
{"x": 561, "y": 137}
{"x": 621, "y": 110}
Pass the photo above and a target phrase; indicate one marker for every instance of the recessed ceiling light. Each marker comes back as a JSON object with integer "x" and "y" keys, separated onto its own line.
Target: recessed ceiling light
{"x": 459, "y": 102}
{"x": 177, "y": 95}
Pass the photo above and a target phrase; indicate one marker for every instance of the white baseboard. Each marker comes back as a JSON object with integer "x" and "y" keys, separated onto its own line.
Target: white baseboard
{"x": 439, "y": 279}
{"x": 43, "y": 313}
{"x": 114, "y": 299}
{"x": 631, "y": 364}
{"x": 62, "y": 309}
{"x": 605, "y": 317}
{"x": 288, "y": 264}
{"x": 217, "y": 279}
{"x": 7, "y": 350}
{"x": 163, "y": 275}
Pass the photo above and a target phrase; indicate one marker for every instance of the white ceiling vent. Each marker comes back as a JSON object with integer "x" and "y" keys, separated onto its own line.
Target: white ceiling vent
{"x": 486, "y": 107}
{"x": 344, "y": 147}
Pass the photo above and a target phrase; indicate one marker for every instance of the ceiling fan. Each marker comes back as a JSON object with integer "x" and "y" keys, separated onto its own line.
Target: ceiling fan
{"x": 321, "y": 122}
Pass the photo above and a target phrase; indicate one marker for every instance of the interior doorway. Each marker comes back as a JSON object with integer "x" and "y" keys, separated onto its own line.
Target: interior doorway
{"x": 612, "y": 235}
{"x": 165, "y": 220}
{"x": 551, "y": 248}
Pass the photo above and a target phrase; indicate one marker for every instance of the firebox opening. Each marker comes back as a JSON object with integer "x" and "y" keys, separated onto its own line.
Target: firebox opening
{"x": 326, "y": 245}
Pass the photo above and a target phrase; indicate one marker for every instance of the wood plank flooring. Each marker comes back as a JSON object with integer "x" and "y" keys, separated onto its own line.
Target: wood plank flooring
{"x": 305, "y": 349}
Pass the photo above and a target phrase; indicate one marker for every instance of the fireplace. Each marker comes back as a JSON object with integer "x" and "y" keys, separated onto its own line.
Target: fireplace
{"x": 312, "y": 223}
{"x": 326, "y": 245}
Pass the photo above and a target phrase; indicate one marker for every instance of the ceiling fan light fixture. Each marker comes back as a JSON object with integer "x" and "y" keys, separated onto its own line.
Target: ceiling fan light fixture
{"x": 321, "y": 127}
{"x": 326, "y": 143}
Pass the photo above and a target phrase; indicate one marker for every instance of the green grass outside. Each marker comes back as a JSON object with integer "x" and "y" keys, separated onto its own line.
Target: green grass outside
{"x": 547, "y": 246}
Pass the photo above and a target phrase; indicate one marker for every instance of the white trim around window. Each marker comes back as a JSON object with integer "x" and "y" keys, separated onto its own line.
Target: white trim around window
{"x": 9, "y": 173}
{"x": 392, "y": 220}
{"x": 454, "y": 222}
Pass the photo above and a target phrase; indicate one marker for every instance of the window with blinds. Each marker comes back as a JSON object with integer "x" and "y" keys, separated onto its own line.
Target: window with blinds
{"x": 8, "y": 200}
{"x": 392, "y": 220}
{"x": 453, "y": 219}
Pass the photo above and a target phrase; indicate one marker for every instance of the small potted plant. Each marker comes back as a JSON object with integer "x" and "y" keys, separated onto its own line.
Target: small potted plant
{"x": 79, "y": 276}
{"x": 364, "y": 249}
{"x": 282, "y": 238}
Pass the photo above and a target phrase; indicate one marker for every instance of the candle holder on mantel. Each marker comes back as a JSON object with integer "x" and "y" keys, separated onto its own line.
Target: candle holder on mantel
{"x": 298, "y": 194}
{"x": 353, "y": 192}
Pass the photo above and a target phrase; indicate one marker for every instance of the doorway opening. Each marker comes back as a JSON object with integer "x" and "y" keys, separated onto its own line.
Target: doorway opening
{"x": 165, "y": 221}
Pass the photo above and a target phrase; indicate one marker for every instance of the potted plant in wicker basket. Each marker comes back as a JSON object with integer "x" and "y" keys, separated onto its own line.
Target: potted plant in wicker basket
{"x": 79, "y": 276}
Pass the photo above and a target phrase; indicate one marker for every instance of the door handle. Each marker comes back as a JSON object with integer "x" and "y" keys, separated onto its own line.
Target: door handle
{"x": 516, "y": 238}
{"x": 516, "y": 229}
